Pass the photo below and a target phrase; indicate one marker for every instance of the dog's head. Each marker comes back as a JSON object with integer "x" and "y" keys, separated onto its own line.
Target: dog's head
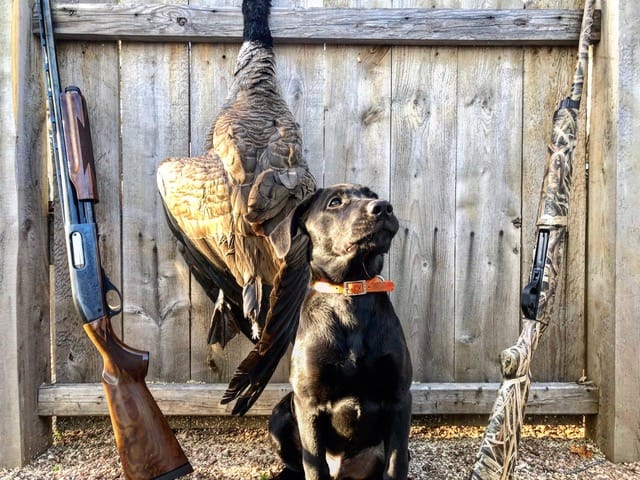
{"x": 349, "y": 230}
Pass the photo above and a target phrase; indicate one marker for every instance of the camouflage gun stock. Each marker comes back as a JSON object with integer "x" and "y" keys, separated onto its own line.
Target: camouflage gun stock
{"x": 497, "y": 456}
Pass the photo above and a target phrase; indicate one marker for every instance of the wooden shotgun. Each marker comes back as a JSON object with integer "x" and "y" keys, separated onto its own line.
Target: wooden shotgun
{"x": 499, "y": 449}
{"x": 146, "y": 444}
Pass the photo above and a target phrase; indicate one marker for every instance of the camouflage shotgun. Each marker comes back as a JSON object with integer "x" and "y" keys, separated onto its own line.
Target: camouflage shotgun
{"x": 497, "y": 456}
{"x": 146, "y": 444}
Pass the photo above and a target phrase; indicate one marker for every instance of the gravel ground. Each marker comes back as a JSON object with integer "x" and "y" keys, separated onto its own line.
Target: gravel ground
{"x": 238, "y": 448}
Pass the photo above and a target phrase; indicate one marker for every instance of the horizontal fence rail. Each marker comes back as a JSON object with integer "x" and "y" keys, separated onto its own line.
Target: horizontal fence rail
{"x": 553, "y": 398}
{"x": 410, "y": 26}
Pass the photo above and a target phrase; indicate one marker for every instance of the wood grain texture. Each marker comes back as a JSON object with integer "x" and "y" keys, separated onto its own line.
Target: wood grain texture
{"x": 24, "y": 265}
{"x": 357, "y": 117}
{"x": 428, "y": 399}
{"x": 423, "y": 186}
{"x": 373, "y": 25}
{"x": 487, "y": 204}
{"x": 613, "y": 262}
{"x": 155, "y": 107}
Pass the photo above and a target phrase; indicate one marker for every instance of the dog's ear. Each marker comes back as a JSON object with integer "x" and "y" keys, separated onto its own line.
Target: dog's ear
{"x": 290, "y": 226}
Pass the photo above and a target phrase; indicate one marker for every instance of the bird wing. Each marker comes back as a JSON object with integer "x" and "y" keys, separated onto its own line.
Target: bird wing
{"x": 255, "y": 371}
{"x": 196, "y": 194}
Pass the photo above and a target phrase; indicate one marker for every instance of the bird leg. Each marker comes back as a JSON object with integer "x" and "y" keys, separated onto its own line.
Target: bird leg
{"x": 251, "y": 297}
{"x": 223, "y": 324}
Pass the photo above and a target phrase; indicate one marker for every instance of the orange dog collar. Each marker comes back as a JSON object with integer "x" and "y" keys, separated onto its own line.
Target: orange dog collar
{"x": 357, "y": 287}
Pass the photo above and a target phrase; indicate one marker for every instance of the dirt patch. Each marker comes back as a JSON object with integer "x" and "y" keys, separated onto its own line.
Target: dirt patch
{"x": 224, "y": 448}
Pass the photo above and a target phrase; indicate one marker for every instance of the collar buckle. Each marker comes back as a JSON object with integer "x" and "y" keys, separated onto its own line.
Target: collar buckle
{"x": 354, "y": 288}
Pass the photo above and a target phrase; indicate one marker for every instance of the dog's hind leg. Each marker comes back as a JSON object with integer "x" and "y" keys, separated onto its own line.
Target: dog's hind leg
{"x": 285, "y": 435}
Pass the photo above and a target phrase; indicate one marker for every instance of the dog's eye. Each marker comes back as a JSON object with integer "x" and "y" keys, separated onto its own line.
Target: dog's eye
{"x": 334, "y": 202}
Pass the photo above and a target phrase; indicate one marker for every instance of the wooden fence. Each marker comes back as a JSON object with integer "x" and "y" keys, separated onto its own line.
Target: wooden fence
{"x": 451, "y": 127}
{"x": 454, "y": 137}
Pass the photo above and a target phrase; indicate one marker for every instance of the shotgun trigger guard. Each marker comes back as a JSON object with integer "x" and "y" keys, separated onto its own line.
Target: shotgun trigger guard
{"x": 113, "y": 297}
{"x": 532, "y": 291}
{"x": 531, "y": 294}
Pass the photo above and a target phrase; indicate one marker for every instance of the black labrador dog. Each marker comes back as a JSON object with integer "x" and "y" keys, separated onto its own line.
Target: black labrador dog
{"x": 349, "y": 413}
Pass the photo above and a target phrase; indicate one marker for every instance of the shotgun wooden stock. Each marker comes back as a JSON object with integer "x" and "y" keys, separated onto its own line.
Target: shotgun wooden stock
{"x": 146, "y": 443}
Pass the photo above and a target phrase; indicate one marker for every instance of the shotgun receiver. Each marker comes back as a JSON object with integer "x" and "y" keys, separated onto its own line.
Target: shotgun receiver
{"x": 146, "y": 444}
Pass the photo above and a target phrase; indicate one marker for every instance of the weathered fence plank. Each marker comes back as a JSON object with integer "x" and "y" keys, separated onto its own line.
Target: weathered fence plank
{"x": 423, "y": 194}
{"x": 357, "y": 113}
{"x": 428, "y": 399}
{"x": 613, "y": 263}
{"x": 24, "y": 259}
{"x": 487, "y": 203}
{"x": 428, "y": 26}
{"x": 155, "y": 119}
{"x": 423, "y": 181}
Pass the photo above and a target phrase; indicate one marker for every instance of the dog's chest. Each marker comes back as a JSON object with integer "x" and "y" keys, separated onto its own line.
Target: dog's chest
{"x": 350, "y": 354}
{"x": 343, "y": 352}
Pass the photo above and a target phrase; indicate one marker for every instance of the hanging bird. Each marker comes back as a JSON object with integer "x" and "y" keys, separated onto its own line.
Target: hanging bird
{"x": 223, "y": 205}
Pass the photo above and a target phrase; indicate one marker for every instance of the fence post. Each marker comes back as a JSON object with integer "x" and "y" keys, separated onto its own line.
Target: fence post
{"x": 24, "y": 266}
{"x": 613, "y": 260}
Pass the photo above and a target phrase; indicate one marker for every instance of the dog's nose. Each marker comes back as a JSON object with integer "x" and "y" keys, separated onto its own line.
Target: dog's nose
{"x": 379, "y": 207}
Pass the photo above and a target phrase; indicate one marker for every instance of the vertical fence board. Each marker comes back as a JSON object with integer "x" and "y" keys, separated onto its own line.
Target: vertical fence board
{"x": 94, "y": 68}
{"x": 302, "y": 74}
{"x": 357, "y": 116}
{"x": 423, "y": 194}
{"x": 155, "y": 85}
{"x": 547, "y": 80}
{"x": 211, "y": 74}
{"x": 614, "y": 229}
{"x": 487, "y": 245}
{"x": 487, "y": 202}
{"x": 24, "y": 262}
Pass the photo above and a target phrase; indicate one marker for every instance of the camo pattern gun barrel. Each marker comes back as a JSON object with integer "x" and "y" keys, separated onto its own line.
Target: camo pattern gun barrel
{"x": 556, "y": 187}
{"x": 497, "y": 457}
